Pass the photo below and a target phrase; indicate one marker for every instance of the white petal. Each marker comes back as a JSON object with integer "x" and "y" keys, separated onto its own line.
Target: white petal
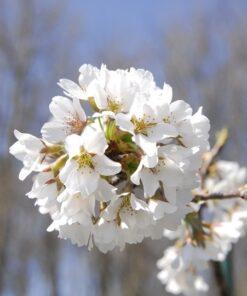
{"x": 170, "y": 194}
{"x": 83, "y": 180}
{"x": 162, "y": 131}
{"x": 96, "y": 91}
{"x": 88, "y": 74}
{"x": 138, "y": 204}
{"x": 105, "y": 166}
{"x": 94, "y": 140}
{"x": 147, "y": 146}
{"x": 180, "y": 110}
{"x": 79, "y": 110}
{"x": 73, "y": 144}
{"x": 160, "y": 208}
{"x": 61, "y": 107}
{"x": 54, "y": 131}
{"x": 105, "y": 192}
{"x": 135, "y": 178}
{"x": 171, "y": 174}
{"x": 150, "y": 182}
{"x": 167, "y": 92}
{"x": 123, "y": 121}
{"x": 72, "y": 89}
{"x": 150, "y": 161}
{"x": 24, "y": 173}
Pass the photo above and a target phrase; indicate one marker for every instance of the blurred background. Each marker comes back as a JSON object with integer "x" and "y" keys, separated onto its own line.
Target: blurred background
{"x": 199, "y": 47}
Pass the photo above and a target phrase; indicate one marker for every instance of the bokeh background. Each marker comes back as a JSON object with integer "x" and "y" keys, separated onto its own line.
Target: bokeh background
{"x": 199, "y": 47}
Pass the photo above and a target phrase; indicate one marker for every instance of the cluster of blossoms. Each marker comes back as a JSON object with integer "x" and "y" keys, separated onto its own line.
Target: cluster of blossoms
{"x": 205, "y": 235}
{"x": 121, "y": 174}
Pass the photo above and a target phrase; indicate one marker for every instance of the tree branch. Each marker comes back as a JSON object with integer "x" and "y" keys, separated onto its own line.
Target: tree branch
{"x": 221, "y": 138}
{"x": 204, "y": 196}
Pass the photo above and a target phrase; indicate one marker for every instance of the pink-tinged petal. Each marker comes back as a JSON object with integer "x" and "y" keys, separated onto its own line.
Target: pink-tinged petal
{"x": 79, "y": 110}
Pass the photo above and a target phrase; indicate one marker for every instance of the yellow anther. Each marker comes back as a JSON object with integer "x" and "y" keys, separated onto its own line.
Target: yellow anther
{"x": 142, "y": 125}
{"x": 113, "y": 105}
{"x": 84, "y": 159}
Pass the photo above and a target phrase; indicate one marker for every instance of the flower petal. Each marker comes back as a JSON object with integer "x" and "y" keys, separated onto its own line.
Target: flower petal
{"x": 94, "y": 140}
{"x": 123, "y": 121}
{"x": 83, "y": 180}
{"x": 147, "y": 146}
{"x": 150, "y": 182}
{"x": 105, "y": 166}
{"x": 72, "y": 89}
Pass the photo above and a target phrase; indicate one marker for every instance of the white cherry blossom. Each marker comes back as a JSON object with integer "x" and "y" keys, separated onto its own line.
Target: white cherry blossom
{"x": 86, "y": 162}
{"x": 30, "y": 150}
{"x": 71, "y": 89}
{"x": 123, "y": 173}
{"x": 68, "y": 118}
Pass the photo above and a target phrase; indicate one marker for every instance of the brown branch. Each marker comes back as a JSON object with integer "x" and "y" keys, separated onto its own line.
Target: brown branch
{"x": 208, "y": 157}
{"x": 205, "y": 196}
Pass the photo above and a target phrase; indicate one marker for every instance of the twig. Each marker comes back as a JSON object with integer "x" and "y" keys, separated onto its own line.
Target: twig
{"x": 204, "y": 196}
{"x": 208, "y": 158}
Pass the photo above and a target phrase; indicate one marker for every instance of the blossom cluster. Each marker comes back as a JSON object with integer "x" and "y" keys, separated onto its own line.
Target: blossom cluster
{"x": 121, "y": 174}
{"x": 208, "y": 236}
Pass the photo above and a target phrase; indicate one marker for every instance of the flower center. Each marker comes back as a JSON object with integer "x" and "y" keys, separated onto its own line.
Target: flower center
{"x": 142, "y": 125}
{"x": 167, "y": 119}
{"x": 114, "y": 105}
{"x": 76, "y": 125}
{"x": 84, "y": 159}
{"x": 125, "y": 206}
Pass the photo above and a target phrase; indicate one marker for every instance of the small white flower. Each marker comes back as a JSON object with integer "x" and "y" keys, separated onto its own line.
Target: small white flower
{"x": 113, "y": 91}
{"x": 86, "y": 162}
{"x": 167, "y": 170}
{"x": 87, "y": 74}
{"x": 144, "y": 123}
{"x": 129, "y": 211}
{"x": 69, "y": 118}
{"x": 46, "y": 190}
{"x": 181, "y": 272}
{"x": 30, "y": 150}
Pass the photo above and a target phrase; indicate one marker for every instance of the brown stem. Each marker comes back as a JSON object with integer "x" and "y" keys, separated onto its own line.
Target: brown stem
{"x": 208, "y": 158}
{"x": 202, "y": 196}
